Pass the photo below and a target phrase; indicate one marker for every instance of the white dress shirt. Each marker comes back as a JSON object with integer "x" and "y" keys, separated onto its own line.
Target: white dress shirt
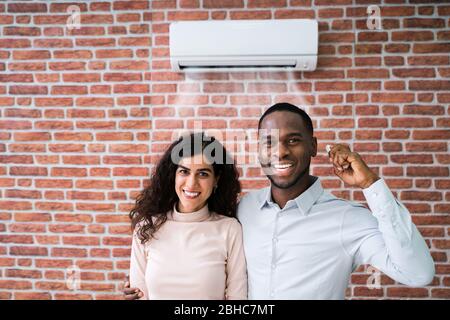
{"x": 308, "y": 249}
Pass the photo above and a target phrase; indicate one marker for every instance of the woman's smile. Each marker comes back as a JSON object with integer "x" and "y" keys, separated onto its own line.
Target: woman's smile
{"x": 190, "y": 194}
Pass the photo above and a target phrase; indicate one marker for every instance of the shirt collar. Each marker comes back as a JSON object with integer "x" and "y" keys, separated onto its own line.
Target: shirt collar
{"x": 304, "y": 201}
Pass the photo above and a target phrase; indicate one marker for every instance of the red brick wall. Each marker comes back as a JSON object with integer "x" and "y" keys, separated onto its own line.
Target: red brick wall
{"x": 86, "y": 112}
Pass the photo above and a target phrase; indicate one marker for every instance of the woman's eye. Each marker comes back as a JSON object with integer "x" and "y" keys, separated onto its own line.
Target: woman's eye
{"x": 203, "y": 174}
{"x": 182, "y": 171}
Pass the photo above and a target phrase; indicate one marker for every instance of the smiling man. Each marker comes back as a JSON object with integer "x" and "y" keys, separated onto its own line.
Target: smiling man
{"x": 302, "y": 242}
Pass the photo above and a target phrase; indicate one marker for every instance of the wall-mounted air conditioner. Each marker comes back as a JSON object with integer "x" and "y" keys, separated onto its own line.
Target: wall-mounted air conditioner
{"x": 242, "y": 45}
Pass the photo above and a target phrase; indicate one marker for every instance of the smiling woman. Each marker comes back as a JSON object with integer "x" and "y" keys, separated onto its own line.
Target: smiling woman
{"x": 194, "y": 183}
{"x": 187, "y": 243}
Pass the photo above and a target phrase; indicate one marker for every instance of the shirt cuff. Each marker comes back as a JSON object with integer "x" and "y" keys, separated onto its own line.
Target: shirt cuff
{"x": 379, "y": 197}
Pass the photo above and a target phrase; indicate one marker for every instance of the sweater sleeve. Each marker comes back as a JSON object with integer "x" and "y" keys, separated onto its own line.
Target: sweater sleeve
{"x": 236, "y": 268}
{"x": 138, "y": 264}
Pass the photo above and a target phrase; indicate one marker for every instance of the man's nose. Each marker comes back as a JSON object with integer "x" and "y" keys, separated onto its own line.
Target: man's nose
{"x": 280, "y": 150}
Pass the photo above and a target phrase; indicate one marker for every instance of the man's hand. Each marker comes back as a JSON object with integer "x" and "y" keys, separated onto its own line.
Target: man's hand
{"x": 131, "y": 293}
{"x": 350, "y": 167}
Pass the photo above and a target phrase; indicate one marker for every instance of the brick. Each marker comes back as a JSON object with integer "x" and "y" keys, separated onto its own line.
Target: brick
{"x": 429, "y": 85}
{"x": 412, "y": 36}
{"x": 83, "y": 113}
{"x": 72, "y": 54}
{"x": 31, "y": 55}
{"x": 95, "y": 207}
{"x": 427, "y": 171}
{"x": 431, "y": 47}
{"x": 81, "y": 77}
{"x": 431, "y": 134}
{"x": 22, "y": 31}
{"x": 32, "y": 296}
{"x": 66, "y": 147}
{"x": 32, "y": 217}
{"x": 300, "y": 14}
{"x": 15, "y": 285}
{"x": 333, "y": 86}
{"x": 341, "y": 123}
{"x": 419, "y": 158}
{"x": 28, "y": 251}
{"x": 250, "y": 14}
{"x": 414, "y": 72}
{"x": 372, "y": 123}
{"x": 221, "y": 4}
{"x": 68, "y": 90}
{"x": 27, "y": 90}
{"x": 116, "y": 241}
{"x": 21, "y": 239}
{"x": 135, "y": 41}
{"x": 398, "y": 97}
{"x": 412, "y": 122}
{"x": 129, "y": 65}
{"x": 27, "y": 7}
{"x": 441, "y": 293}
{"x": 423, "y": 23}
{"x": 407, "y": 292}
{"x": 24, "y": 194}
{"x": 424, "y": 109}
{"x": 81, "y": 240}
{"x": 130, "y": 5}
{"x": 62, "y": 228}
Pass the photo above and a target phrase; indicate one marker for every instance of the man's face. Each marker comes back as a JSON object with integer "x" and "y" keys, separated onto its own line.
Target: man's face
{"x": 285, "y": 148}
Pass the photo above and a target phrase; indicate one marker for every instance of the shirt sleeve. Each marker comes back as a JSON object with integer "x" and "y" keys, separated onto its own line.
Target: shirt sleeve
{"x": 138, "y": 264}
{"x": 236, "y": 268}
{"x": 387, "y": 239}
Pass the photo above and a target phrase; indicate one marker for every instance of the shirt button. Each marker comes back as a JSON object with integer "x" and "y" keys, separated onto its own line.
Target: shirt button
{"x": 275, "y": 240}
{"x": 272, "y": 294}
{"x": 274, "y": 266}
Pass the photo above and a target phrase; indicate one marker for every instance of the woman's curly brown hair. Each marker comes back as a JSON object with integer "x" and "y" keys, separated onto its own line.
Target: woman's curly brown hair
{"x": 153, "y": 203}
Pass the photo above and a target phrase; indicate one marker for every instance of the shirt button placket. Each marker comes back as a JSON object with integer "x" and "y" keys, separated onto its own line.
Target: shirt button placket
{"x": 274, "y": 251}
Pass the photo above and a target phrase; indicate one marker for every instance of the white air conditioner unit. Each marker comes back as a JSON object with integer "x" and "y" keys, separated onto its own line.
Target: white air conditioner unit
{"x": 243, "y": 45}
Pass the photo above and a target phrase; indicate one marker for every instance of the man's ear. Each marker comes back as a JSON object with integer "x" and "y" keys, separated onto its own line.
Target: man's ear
{"x": 314, "y": 146}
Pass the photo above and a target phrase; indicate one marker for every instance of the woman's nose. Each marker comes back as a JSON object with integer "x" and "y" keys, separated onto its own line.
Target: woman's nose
{"x": 191, "y": 181}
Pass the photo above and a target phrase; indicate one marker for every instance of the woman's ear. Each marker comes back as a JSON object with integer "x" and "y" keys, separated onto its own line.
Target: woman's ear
{"x": 217, "y": 180}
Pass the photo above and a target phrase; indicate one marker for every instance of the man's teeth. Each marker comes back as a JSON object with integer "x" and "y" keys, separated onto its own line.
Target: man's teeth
{"x": 191, "y": 194}
{"x": 282, "y": 166}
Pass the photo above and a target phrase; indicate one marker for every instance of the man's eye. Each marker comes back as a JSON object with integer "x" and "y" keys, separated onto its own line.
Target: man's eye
{"x": 294, "y": 140}
{"x": 203, "y": 174}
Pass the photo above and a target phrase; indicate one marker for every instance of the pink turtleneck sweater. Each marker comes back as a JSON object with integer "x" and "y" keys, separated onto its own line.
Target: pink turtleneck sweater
{"x": 196, "y": 255}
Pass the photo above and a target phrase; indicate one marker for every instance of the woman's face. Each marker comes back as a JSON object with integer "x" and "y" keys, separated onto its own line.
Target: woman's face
{"x": 194, "y": 183}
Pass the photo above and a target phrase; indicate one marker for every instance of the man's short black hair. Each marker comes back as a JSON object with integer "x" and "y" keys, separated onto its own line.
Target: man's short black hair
{"x": 284, "y": 106}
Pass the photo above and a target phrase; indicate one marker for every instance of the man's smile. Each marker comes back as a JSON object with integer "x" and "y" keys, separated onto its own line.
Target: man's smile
{"x": 282, "y": 168}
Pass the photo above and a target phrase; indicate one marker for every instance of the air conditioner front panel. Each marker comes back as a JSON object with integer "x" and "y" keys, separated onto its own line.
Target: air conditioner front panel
{"x": 227, "y": 43}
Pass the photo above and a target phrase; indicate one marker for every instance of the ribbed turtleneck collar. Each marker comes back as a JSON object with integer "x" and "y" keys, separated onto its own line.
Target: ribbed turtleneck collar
{"x": 195, "y": 216}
